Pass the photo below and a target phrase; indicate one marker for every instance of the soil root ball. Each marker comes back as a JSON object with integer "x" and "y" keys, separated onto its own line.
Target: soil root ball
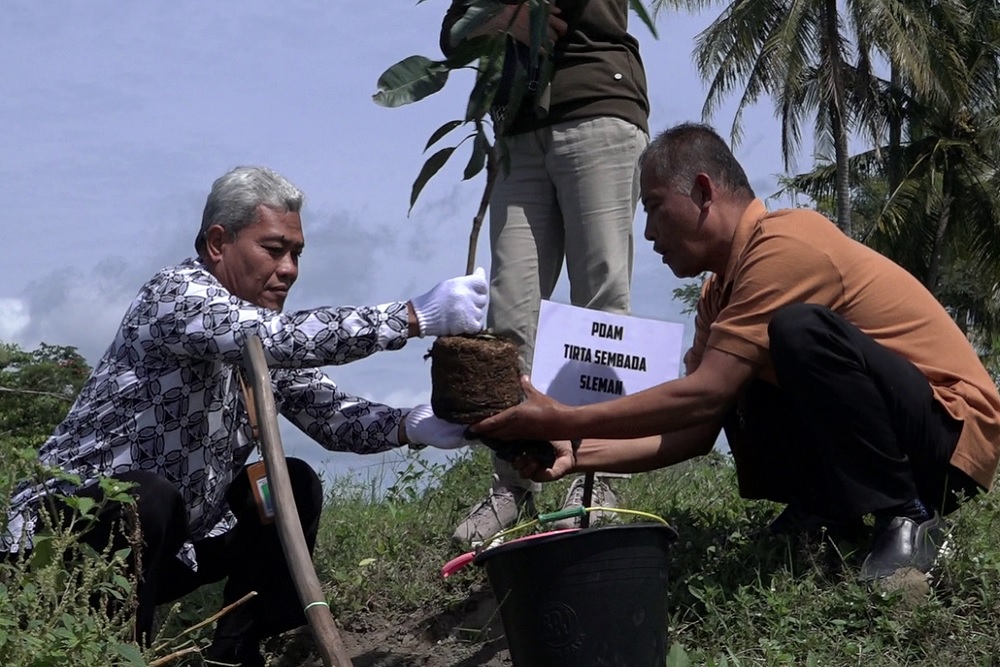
{"x": 473, "y": 377}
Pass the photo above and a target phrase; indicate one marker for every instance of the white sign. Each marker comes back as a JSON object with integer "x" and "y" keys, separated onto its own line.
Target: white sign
{"x": 585, "y": 356}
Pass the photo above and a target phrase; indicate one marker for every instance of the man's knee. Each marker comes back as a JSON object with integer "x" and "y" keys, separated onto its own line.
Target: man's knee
{"x": 159, "y": 505}
{"x": 790, "y": 320}
{"x": 307, "y": 491}
{"x": 306, "y": 487}
{"x": 792, "y": 330}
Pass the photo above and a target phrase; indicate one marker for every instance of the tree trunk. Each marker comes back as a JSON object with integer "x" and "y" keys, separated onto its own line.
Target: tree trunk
{"x": 937, "y": 251}
{"x": 895, "y": 167}
{"x": 838, "y": 117}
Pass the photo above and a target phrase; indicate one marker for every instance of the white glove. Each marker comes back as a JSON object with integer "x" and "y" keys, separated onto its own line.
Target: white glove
{"x": 456, "y": 306}
{"x": 423, "y": 428}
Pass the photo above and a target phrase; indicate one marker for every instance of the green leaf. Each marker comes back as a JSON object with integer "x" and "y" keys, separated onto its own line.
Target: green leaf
{"x": 473, "y": 49}
{"x": 62, "y": 475}
{"x": 643, "y": 14}
{"x": 410, "y": 80}
{"x": 116, "y": 490}
{"x": 486, "y": 86}
{"x": 441, "y": 131}
{"x": 431, "y": 167}
{"x": 539, "y": 19}
{"x": 478, "y": 159}
{"x": 42, "y": 552}
{"x": 132, "y": 654}
{"x": 518, "y": 90}
{"x": 678, "y": 657}
{"x": 82, "y": 504}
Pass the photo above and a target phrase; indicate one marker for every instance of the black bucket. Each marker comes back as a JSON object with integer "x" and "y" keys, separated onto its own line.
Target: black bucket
{"x": 589, "y": 598}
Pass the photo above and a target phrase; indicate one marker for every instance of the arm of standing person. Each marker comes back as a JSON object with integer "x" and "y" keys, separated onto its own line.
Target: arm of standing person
{"x": 513, "y": 18}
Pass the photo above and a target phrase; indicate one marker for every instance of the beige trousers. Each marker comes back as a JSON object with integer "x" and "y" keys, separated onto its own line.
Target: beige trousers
{"x": 569, "y": 196}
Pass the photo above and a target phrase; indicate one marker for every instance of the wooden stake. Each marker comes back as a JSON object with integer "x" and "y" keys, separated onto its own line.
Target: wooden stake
{"x": 293, "y": 542}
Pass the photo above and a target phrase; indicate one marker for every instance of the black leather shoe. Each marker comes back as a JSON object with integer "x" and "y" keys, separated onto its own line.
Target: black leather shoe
{"x": 796, "y": 521}
{"x": 903, "y": 543}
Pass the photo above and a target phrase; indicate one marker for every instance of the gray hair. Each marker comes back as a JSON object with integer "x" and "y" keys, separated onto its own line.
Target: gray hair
{"x": 680, "y": 153}
{"x": 236, "y": 196}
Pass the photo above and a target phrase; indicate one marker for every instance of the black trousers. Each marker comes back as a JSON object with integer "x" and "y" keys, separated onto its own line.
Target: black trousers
{"x": 249, "y": 555}
{"x": 852, "y": 427}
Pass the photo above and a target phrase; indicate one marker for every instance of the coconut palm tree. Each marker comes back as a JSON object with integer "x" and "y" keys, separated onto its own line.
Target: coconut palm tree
{"x": 944, "y": 174}
{"x": 814, "y": 58}
{"x": 932, "y": 200}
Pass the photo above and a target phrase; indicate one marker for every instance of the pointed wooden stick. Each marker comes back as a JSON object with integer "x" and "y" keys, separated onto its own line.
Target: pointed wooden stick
{"x": 167, "y": 659}
{"x": 293, "y": 541}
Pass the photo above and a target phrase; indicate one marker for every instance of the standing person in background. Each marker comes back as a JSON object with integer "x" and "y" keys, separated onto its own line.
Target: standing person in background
{"x": 568, "y": 192}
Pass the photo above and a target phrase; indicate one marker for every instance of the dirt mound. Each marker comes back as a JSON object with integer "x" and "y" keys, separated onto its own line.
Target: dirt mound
{"x": 467, "y": 636}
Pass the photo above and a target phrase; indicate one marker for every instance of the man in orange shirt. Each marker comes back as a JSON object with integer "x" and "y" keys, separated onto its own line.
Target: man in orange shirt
{"x": 844, "y": 387}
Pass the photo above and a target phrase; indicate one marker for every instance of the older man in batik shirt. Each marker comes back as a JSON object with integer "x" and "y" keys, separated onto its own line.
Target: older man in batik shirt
{"x": 163, "y": 409}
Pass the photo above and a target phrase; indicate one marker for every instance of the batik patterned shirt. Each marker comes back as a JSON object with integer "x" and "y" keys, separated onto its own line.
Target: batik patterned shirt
{"x": 166, "y": 398}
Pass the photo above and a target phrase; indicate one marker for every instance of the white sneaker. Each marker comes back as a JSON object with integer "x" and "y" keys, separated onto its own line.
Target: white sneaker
{"x": 496, "y": 512}
{"x": 602, "y": 496}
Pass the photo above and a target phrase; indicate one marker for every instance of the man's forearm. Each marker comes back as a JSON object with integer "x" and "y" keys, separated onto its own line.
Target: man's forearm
{"x": 648, "y": 453}
{"x": 455, "y": 13}
{"x": 496, "y": 25}
{"x": 669, "y": 407}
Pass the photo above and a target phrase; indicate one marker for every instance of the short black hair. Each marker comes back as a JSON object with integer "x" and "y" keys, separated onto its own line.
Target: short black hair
{"x": 679, "y": 153}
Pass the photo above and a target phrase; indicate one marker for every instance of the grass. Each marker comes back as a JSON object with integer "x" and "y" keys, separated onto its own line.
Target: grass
{"x": 735, "y": 598}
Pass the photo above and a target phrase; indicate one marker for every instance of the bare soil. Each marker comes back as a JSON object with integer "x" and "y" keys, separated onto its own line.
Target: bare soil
{"x": 472, "y": 636}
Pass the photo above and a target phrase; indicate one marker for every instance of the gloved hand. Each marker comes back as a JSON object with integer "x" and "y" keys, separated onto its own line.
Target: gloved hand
{"x": 423, "y": 428}
{"x": 452, "y": 307}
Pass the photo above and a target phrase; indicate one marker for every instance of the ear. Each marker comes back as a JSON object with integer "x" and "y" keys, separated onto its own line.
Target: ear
{"x": 704, "y": 190}
{"x": 215, "y": 237}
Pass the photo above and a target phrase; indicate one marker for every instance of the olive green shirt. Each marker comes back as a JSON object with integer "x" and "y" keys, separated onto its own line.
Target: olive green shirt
{"x": 597, "y": 68}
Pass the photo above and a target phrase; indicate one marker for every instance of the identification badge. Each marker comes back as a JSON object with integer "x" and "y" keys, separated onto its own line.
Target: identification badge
{"x": 261, "y": 491}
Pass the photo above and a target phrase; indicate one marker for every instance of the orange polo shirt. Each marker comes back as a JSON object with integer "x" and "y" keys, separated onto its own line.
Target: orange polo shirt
{"x": 798, "y": 256}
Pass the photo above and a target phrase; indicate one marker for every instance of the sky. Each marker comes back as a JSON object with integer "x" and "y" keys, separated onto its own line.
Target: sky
{"x": 116, "y": 118}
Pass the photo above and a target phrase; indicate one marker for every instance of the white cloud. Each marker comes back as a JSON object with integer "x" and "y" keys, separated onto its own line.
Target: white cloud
{"x": 342, "y": 258}
{"x": 14, "y": 318}
{"x": 79, "y": 308}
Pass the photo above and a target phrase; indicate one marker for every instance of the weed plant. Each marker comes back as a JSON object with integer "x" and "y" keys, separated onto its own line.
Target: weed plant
{"x": 64, "y": 604}
{"x": 738, "y": 597}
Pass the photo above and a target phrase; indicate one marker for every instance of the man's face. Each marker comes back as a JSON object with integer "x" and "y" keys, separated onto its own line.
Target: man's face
{"x": 262, "y": 262}
{"x": 673, "y": 224}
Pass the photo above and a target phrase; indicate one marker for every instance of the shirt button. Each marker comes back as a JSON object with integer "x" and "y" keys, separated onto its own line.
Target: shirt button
{"x": 618, "y": 76}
